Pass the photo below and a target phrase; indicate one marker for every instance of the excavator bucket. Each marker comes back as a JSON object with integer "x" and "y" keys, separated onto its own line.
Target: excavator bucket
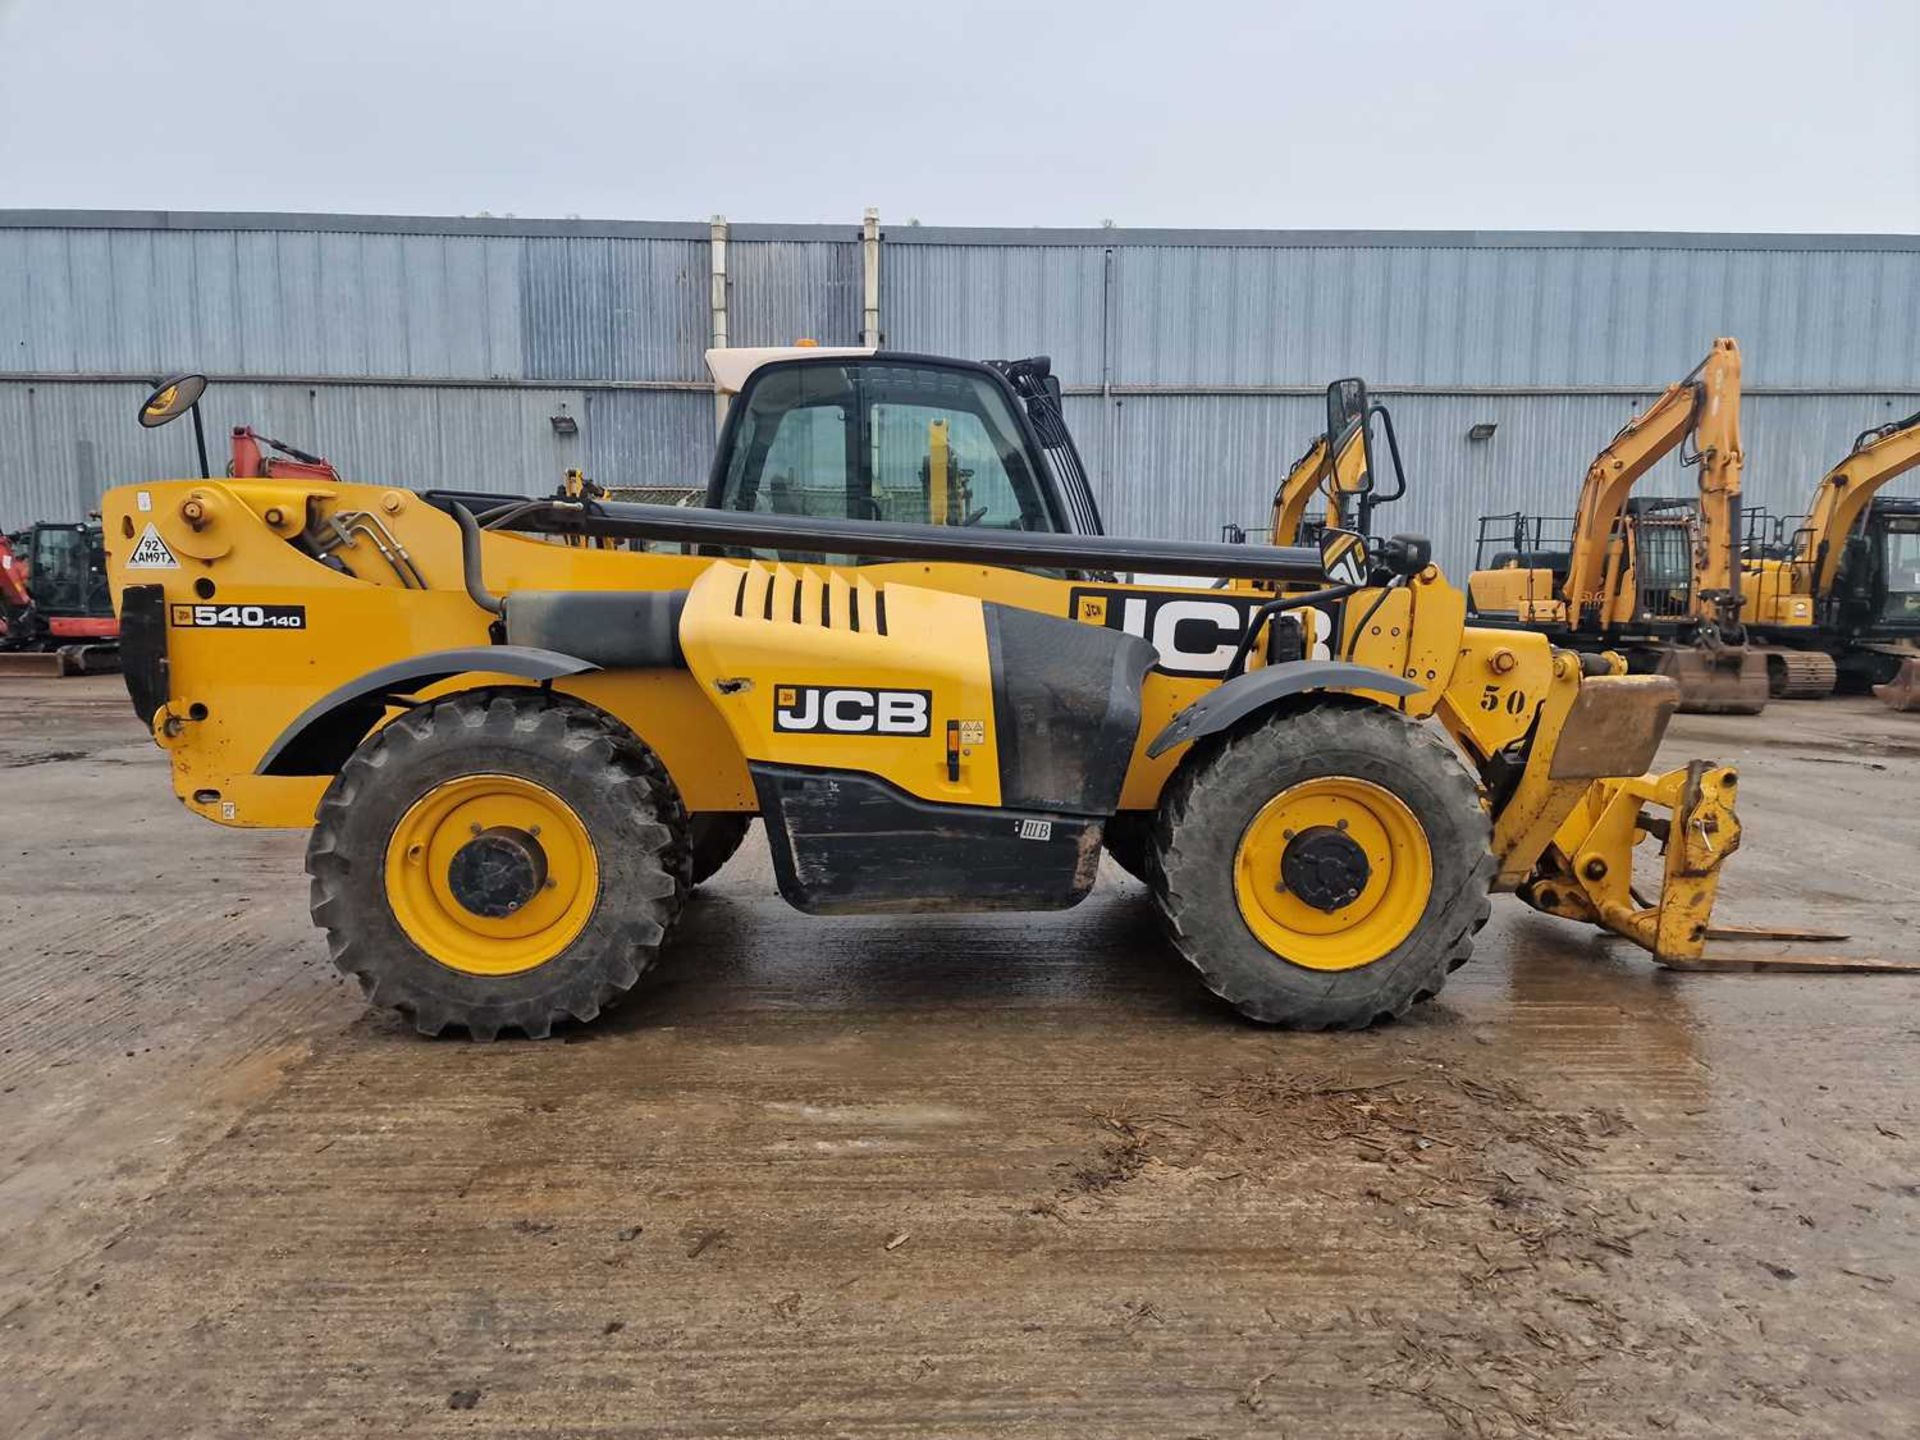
{"x": 32, "y": 664}
{"x": 1726, "y": 680}
{"x": 1903, "y": 691}
{"x": 1587, "y": 873}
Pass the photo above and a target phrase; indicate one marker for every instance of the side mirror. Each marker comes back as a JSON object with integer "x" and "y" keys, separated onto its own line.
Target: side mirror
{"x": 171, "y": 399}
{"x": 1350, "y": 414}
{"x": 1343, "y": 558}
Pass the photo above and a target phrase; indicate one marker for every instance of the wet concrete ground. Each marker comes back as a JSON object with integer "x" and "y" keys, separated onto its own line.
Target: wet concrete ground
{"x": 949, "y": 1176}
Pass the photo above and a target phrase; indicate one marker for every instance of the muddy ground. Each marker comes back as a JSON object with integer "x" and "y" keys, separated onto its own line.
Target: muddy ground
{"x": 944, "y": 1177}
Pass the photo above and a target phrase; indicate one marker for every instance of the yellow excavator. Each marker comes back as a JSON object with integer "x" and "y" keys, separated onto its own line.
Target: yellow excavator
{"x": 1655, "y": 579}
{"x": 1335, "y": 469}
{"x": 1335, "y": 473}
{"x": 1838, "y": 598}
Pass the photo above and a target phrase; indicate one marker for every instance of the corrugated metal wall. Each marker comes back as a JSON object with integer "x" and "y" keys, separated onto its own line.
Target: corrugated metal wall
{"x": 437, "y": 352}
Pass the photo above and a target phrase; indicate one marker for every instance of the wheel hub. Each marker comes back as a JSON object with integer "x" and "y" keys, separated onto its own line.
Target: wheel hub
{"x": 497, "y": 871}
{"x": 1325, "y": 867}
{"x": 491, "y": 874}
{"x": 1333, "y": 873}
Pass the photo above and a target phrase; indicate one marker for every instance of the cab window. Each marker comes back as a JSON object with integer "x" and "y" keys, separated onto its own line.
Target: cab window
{"x": 872, "y": 441}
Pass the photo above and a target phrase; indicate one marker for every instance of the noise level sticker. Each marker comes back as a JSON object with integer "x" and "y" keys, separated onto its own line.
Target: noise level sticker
{"x": 152, "y": 552}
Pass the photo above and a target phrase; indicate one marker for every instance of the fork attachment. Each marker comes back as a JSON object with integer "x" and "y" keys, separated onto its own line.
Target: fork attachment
{"x": 1587, "y": 872}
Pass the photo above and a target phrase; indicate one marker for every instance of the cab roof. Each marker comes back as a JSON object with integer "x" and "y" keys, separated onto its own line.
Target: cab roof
{"x": 731, "y": 366}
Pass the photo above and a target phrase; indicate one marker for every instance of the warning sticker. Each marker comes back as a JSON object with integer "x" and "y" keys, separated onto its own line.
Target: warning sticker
{"x": 152, "y": 552}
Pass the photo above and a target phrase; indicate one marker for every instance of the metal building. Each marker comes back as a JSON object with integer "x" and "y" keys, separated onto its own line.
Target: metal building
{"x": 496, "y": 353}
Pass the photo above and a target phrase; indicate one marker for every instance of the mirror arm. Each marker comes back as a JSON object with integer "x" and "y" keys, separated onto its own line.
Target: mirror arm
{"x": 200, "y": 442}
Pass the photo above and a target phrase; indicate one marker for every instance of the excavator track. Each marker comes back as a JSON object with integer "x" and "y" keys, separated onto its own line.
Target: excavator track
{"x": 1800, "y": 674}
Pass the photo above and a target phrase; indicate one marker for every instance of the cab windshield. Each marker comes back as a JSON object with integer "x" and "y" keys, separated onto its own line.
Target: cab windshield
{"x": 865, "y": 440}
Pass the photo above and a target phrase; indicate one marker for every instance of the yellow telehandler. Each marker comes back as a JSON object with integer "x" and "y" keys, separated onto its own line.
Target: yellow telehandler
{"x": 897, "y": 633}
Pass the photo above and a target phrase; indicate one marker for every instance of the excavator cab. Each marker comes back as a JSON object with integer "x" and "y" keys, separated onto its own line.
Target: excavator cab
{"x": 58, "y": 609}
{"x": 1891, "y": 564}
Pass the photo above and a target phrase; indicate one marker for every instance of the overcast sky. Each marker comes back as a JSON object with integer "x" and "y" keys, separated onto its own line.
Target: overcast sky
{"x": 1730, "y": 115}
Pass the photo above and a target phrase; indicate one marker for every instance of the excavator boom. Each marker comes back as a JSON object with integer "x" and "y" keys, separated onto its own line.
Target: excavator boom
{"x": 1313, "y": 474}
{"x": 1878, "y": 457}
{"x": 1711, "y": 394}
{"x": 1296, "y": 492}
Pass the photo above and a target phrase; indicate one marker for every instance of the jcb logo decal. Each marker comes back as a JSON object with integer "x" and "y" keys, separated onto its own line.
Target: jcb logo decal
{"x": 1195, "y": 631}
{"x": 850, "y": 710}
{"x": 1343, "y": 557}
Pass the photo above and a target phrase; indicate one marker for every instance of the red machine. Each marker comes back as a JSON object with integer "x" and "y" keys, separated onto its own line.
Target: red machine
{"x": 56, "y": 611}
{"x": 248, "y": 463}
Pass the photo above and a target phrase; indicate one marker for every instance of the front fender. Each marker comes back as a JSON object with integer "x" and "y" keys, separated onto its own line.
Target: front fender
{"x": 1244, "y": 694}
{"x": 325, "y": 734}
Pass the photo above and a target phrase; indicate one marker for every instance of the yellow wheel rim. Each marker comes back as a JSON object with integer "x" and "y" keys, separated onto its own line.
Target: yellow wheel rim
{"x": 1330, "y": 812}
{"x": 491, "y": 874}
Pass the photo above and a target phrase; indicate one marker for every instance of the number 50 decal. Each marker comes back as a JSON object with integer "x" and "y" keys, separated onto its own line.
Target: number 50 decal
{"x": 1515, "y": 703}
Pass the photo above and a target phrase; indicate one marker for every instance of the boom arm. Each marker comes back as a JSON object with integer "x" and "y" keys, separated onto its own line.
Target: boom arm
{"x": 1302, "y": 483}
{"x": 1844, "y": 492}
{"x": 1310, "y": 476}
{"x": 1713, "y": 387}
{"x": 1716, "y": 566}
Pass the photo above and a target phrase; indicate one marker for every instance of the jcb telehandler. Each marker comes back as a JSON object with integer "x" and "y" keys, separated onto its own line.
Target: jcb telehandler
{"x": 896, "y": 634}
{"x": 1838, "y": 596}
{"x": 1657, "y": 580}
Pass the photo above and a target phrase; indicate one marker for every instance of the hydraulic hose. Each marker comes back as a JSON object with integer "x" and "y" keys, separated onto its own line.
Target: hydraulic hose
{"x": 470, "y": 562}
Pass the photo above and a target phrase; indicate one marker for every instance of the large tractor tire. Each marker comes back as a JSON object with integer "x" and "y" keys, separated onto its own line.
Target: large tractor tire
{"x": 498, "y": 860}
{"x": 712, "y": 838}
{"x": 1324, "y": 867}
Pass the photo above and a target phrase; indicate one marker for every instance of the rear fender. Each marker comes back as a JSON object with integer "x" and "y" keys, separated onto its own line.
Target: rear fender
{"x": 326, "y": 732}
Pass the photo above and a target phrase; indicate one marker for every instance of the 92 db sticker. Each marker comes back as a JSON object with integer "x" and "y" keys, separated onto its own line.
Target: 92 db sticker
{"x": 237, "y": 617}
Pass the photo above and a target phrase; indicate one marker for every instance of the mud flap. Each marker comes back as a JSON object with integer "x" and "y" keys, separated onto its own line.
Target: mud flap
{"x": 1903, "y": 691}
{"x": 1723, "y": 680}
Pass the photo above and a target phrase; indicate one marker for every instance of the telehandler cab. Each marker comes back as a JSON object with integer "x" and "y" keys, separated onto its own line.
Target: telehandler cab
{"x": 896, "y": 633}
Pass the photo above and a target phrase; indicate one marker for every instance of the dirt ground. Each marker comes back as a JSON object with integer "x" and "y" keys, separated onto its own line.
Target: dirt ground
{"x": 940, "y": 1177}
